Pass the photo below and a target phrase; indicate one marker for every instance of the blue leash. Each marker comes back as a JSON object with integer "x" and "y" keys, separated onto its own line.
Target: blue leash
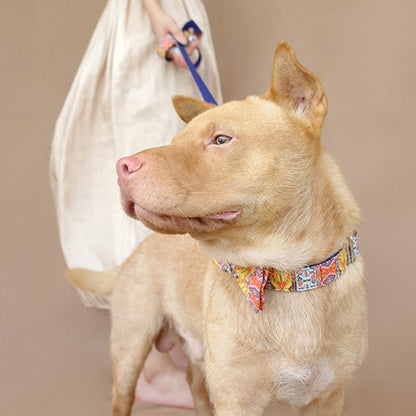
{"x": 203, "y": 89}
{"x": 205, "y": 92}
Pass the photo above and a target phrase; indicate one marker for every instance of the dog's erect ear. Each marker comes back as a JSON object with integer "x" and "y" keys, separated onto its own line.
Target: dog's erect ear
{"x": 188, "y": 108}
{"x": 296, "y": 88}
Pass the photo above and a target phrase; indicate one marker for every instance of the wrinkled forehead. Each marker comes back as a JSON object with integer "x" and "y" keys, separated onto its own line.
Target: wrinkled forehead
{"x": 252, "y": 115}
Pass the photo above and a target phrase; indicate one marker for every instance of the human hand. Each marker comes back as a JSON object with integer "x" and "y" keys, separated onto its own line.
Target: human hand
{"x": 162, "y": 23}
{"x": 165, "y": 25}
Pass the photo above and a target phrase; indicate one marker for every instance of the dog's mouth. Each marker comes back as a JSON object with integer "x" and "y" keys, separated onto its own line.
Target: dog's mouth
{"x": 174, "y": 224}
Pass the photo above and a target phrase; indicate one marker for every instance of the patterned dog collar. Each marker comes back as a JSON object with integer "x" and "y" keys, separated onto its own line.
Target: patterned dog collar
{"x": 253, "y": 280}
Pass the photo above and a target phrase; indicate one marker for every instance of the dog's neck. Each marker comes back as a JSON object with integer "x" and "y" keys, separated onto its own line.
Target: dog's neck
{"x": 309, "y": 233}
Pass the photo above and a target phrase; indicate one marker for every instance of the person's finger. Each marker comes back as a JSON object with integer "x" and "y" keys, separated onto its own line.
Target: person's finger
{"x": 177, "y": 33}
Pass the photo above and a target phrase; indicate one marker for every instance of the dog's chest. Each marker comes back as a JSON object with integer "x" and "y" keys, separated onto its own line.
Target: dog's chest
{"x": 299, "y": 384}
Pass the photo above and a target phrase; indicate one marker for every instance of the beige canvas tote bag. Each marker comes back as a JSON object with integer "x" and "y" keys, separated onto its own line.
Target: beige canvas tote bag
{"x": 119, "y": 103}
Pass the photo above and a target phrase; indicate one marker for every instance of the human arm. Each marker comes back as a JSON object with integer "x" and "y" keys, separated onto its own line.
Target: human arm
{"x": 162, "y": 23}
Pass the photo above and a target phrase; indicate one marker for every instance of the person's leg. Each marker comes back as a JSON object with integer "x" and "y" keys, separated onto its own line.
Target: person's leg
{"x": 163, "y": 380}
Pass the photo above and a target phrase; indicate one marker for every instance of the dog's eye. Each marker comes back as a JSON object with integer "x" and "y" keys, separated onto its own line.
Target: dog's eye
{"x": 220, "y": 140}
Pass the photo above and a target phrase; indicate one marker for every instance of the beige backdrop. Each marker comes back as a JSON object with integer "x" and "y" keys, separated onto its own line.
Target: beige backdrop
{"x": 53, "y": 351}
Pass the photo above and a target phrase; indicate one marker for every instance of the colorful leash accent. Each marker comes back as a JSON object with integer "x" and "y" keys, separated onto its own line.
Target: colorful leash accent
{"x": 169, "y": 43}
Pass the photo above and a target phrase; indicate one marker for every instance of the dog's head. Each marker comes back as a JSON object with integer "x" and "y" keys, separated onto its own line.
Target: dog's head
{"x": 239, "y": 165}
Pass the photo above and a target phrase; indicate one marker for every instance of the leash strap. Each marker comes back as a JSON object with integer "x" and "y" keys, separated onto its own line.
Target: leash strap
{"x": 203, "y": 89}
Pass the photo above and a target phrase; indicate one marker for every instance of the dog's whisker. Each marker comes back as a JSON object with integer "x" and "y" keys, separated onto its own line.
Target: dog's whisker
{"x": 183, "y": 214}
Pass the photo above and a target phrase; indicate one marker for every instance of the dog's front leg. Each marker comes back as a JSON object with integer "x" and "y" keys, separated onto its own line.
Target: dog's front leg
{"x": 326, "y": 405}
{"x": 239, "y": 390}
{"x": 239, "y": 380}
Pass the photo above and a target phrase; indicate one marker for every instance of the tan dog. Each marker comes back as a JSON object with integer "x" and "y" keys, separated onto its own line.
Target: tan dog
{"x": 247, "y": 184}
